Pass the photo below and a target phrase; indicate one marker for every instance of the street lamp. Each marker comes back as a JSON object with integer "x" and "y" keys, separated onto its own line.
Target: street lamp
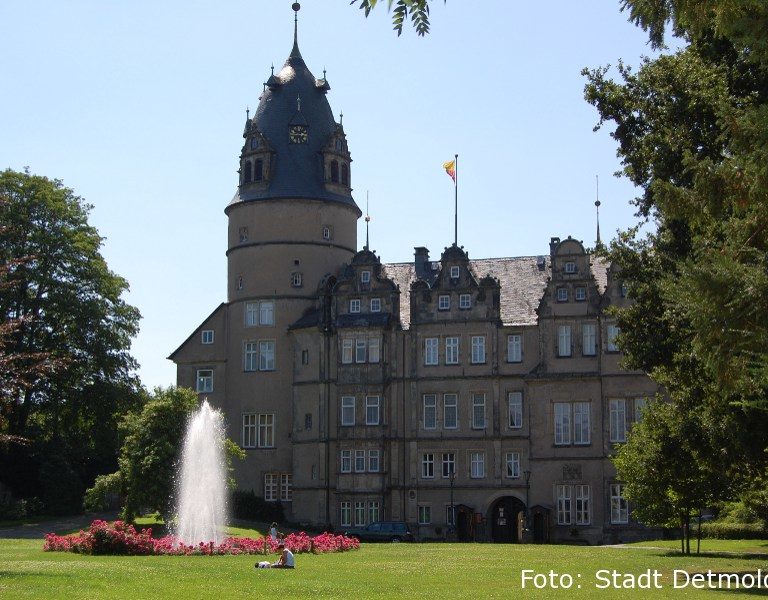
{"x": 451, "y": 479}
{"x": 527, "y": 497}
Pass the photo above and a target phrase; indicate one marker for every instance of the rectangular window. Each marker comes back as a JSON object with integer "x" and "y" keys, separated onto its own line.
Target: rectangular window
{"x": 251, "y": 314}
{"x": 562, "y": 423}
{"x": 588, "y": 339}
{"x": 619, "y": 504}
{"x": 477, "y": 465}
{"x": 346, "y": 514}
{"x": 354, "y": 305}
{"x": 478, "y": 349}
{"x": 249, "y": 430}
{"x": 359, "y": 461}
{"x": 373, "y": 462}
{"x": 618, "y": 419}
{"x": 450, "y": 411}
{"x": 305, "y": 357}
{"x": 515, "y": 400}
{"x": 513, "y": 465}
{"x": 450, "y": 515}
{"x": 639, "y": 408}
{"x": 583, "y": 516}
{"x": 267, "y": 355}
{"x": 346, "y": 461}
{"x": 514, "y": 348}
{"x": 451, "y": 351}
{"x": 465, "y": 301}
{"x": 562, "y": 294}
{"x": 266, "y": 313}
{"x": 375, "y": 305}
{"x": 347, "y": 351}
{"x": 286, "y": 487}
{"x": 374, "y": 350}
{"x": 570, "y": 267}
{"x": 204, "y": 380}
{"x": 347, "y": 410}
{"x": 478, "y": 411}
{"x": 431, "y": 351}
{"x": 266, "y": 431}
{"x": 443, "y": 302}
{"x": 612, "y": 332}
{"x": 374, "y": 511}
{"x": 365, "y": 277}
{"x": 563, "y": 504}
{"x": 360, "y": 348}
{"x": 250, "y": 356}
{"x": 430, "y": 411}
{"x": 428, "y": 465}
{"x": 449, "y": 464}
{"x": 581, "y": 429}
{"x": 425, "y": 514}
{"x": 581, "y": 293}
{"x": 371, "y": 410}
{"x": 359, "y": 514}
{"x": 454, "y": 272}
{"x": 270, "y": 487}
{"x": 564, "y": 340}
{"x": 207, "y": 336}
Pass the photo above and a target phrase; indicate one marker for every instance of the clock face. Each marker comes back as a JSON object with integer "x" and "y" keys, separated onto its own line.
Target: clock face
{"x": 297, "y": 134}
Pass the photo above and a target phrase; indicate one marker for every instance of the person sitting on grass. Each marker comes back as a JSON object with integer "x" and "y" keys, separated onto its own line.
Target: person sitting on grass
{"x": 286, "y": 560}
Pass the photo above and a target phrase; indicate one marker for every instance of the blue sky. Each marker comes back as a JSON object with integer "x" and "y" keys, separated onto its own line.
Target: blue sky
{"x": 139, "y": 107}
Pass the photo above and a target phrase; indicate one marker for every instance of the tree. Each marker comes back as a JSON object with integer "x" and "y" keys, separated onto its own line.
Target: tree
{"x": 417, "y": 9}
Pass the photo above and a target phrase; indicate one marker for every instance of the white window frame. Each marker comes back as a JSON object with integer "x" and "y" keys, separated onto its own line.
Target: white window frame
{"x": 477, "y": 465}
{"x": 361, "y": 350}
{"x": 249, "y": 432}
{"x": 360, "y": 461}
{"x": 562, "y": 425}
{"x": 428, "y": 465}
{"x": 375, "y": 305}
{"x": 431, "y": 351}
{"x": 478, "y": 350}
{"x": 271, "y": 483}
{"x": 365, "y": 276}
{"x": 570, "y": 267}
{"x": 266, "y": 437}
{"x": 465, "y": 301}
{"x": 513, "y": 465}
{"x": 204, "y": 381}
{"x": 354, "y": 305}
{"x": 250, "y": 356}
{"x": 583, "y": 505}
{"x": 611, "y": 333}
{"x": 580, "y": 293}
{"x": 562, "y": 294}
{"x": 564, "y": 341}
{"x": 267, "y": 313}
{"x": 449, "y": 464}
{"x": 374, "y": 511}
{"x": 479, "y": 420}
{"x": 425, "y": 514}
{"x": 515, "y": 410}
{"x": 582, "y": 429}
{"x": 564, "y": 507}
{"x": 619, "y": 504}
{"x": 640, "y": 405}
{"x": 359, "y": 513}
{"x": 345, "y": 465}
{"x": 296, "y": 280}
{"x": 266, "y": 355}
{"x": 455, "y": 272}
{"x": 452, "y": 350}
{"x": 514, "y": 348}
{"x": 589, "y": 339}
{"x": 372, "y": 410}
{"x": 450, "y": 411}
{"x": 374, "y": 350}
{"x": 347, "y": 411}
{"x": 345, "y": 516}
{"x": 429, "y": 411}
{"x": 286, "y": 487}
{"x": 326, "y": 232}
{"x": 251, "y": 314}
{"x": 347, "y": 351}
{"x": 617, "y": 410}
{"x": 374, "y": 462}
{"x": 443, "y": 302}
{"x": 206, "y": 336}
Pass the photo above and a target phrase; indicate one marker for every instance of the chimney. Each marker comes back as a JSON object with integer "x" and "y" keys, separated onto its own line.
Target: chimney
{"x": 553, "y": 243}
{"x": 421, "y": 262}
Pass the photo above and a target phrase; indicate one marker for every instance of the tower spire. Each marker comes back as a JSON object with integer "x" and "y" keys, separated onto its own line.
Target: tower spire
{"x": 367, "y": 220}
{"x": 598, "y": 243}
{"x": 296, "y": 7}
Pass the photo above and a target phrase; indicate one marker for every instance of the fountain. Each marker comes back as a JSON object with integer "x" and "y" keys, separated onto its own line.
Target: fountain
{"x": 201, "y": 488}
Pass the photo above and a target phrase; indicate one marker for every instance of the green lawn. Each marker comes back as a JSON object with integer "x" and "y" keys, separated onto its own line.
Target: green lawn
{"x": 375, "y": 571}
{"x": 712, "y": 545}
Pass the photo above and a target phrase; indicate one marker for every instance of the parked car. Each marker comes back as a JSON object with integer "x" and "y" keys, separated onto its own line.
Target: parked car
{"x": 382, "y": 531}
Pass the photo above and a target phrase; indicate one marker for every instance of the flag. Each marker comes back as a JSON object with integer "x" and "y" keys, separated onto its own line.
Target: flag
{"x": 450, "y": 168}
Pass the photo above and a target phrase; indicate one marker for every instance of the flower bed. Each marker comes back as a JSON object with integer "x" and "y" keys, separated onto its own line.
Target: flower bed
{"x": 103, "y": 537}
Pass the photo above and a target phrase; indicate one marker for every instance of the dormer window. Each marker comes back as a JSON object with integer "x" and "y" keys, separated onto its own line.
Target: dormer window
{"x": 354, "y": 305}
{"x": 247, "y": 171}
{"x": 454, "y": 272}
{"x": 296, "y": 280}
{"x": 258, "y": 170}
{"x": 562, "y": 294}
{"x": 344, "y": 174}
{"x": 334, "y": 171}
{"x": 465, "y": 301}
{"x": 254, "y": 143}
{"x": 207, "y": 336}
{"x": 570, "y": 267}
{"x": 339, "y": 145}
{"x": 365, "y": 277}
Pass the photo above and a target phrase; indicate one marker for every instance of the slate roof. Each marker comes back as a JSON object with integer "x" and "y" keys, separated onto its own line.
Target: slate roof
{"x": 522, "y": 284}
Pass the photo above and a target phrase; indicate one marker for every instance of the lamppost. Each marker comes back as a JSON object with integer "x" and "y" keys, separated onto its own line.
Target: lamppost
{"x": 451, "y": 479}
{"x": 527, "y": 497}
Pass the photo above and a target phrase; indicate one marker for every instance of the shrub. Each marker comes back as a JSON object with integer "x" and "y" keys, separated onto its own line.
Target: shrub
{"x": 104, "y": 494}
{"x": 249, "y": 506}
{"x": 734, "y": 531}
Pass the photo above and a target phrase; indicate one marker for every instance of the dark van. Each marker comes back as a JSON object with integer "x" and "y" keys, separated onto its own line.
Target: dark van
{"x": 382, "y": 531}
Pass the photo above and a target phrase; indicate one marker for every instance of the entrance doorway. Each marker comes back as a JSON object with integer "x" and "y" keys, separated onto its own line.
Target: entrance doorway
{"x": 505, "y": 515}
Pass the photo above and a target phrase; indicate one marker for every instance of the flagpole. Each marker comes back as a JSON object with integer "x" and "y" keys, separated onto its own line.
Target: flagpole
{"x": 456, "y": 201}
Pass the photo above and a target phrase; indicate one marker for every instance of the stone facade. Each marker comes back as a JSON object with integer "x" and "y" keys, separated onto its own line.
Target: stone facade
{"x": 479, "y": 399}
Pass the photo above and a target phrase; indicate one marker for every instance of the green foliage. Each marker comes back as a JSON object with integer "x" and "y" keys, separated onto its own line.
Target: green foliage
{"x": 734, "y": 531}
{"x": 231, "y": 452}
{"x": 249, "y": 506}
{"x": 417, "y": 9}
{"x": 62, "y": 488}
{"x": 104, "y": 493}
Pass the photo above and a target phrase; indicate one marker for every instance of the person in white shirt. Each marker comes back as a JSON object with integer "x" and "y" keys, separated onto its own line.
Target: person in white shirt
{"x": 286, "y": 560}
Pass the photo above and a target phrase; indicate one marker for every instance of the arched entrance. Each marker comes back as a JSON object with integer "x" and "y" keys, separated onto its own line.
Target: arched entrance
{"x": 504, "y": 516}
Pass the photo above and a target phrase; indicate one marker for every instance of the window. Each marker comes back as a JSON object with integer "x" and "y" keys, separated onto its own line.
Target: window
{"x": 478, "y": 411}
{"x": 296, "y": 280}
{"x": 431, "y": 351}
{"x": 250, "y": 355}
{"x": 373, "y": 463}
{"x": 454, "y": 272}
{"x": 346, "y": 514}
{"x": 254, "y": 143}
{"x": 581, "y": 429}
{"x": 374, "y": 346}
{"x": 562, "y": 294}
{"x": 374, "y": 511}
{"x": 359, "y": 461}
{"x": 347, "y": 410}
{"x": 207, "y": 336}
{"x": 465, "y": 301}
{"x": 247, "y": 171}
{"x": 562, "y": 423}
{"x": 344, "y": 174}
{"x": 258, "y": 170}
{"x": 347, "y": 350}
{"x": 451, "y": 351}
{"x": 583, "y": 516}
{"x": 564, "y": 340}
{"x": 365, "y": 277}
{"x": 443, "y": 302}
{"x": 249, "y": 430}
{"x": 449, "y": 464}
{"x": 204, "y": 380}
{"x": 359, "y": 514}
{"x": 513, "y": 465}
{"x": 327, "y": 232}
{"x": 266, "y": 431}
{"x": 570, "y": 267}
{"x": 581, "y": 293}
{"x": 588, "y": 339}
{"x": 477, "y": 465}
{"x": 450, "y": 411}
{"x": 270, "y": 487}
{"x": 239, "y": 282}
{"x": 286, "y": 487}
{"x": 428, "y": 465}
{"x": 375, "y": 305}
{"x": 618, "y": 420}
{"x": 478, "y": 349}
{"x": 305, "y": 357}
{"x": 354, "y": 305}
{"x": 514, "y": 348}
{"x": 360, "y": 347}
{"x": 612, "y": 333}
{"x": 515, "y": 400}
{"x": 242, "y": 234}
{"x": 619, "y": 504}
{"x": 346, "y": 461}
{"x": 371, "y": 410}
{"x": 430, "y": 411}
{"x": 450, "y": 515}
{"x": 251, "y": 314}
{"x": 639, "y": 408}
{"x": 266, "y": 312}
{"x": 425, "y": 514}
{"x": 334, "y": 171}
{"x": 624, "y": 290}
{"x": 267, "y": 355}
{"x": 563, "y": 504}
{"x": 308, "y": 421}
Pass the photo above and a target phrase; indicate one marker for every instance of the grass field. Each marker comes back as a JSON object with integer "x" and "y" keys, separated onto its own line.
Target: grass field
{"x": 432, "y": 571}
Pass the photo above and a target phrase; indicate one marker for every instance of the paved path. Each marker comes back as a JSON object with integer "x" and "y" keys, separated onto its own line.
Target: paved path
{"x": 38, "y": 529}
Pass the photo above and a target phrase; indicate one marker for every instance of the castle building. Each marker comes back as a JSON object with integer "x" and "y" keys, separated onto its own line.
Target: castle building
{"x": 476, "y": 398}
